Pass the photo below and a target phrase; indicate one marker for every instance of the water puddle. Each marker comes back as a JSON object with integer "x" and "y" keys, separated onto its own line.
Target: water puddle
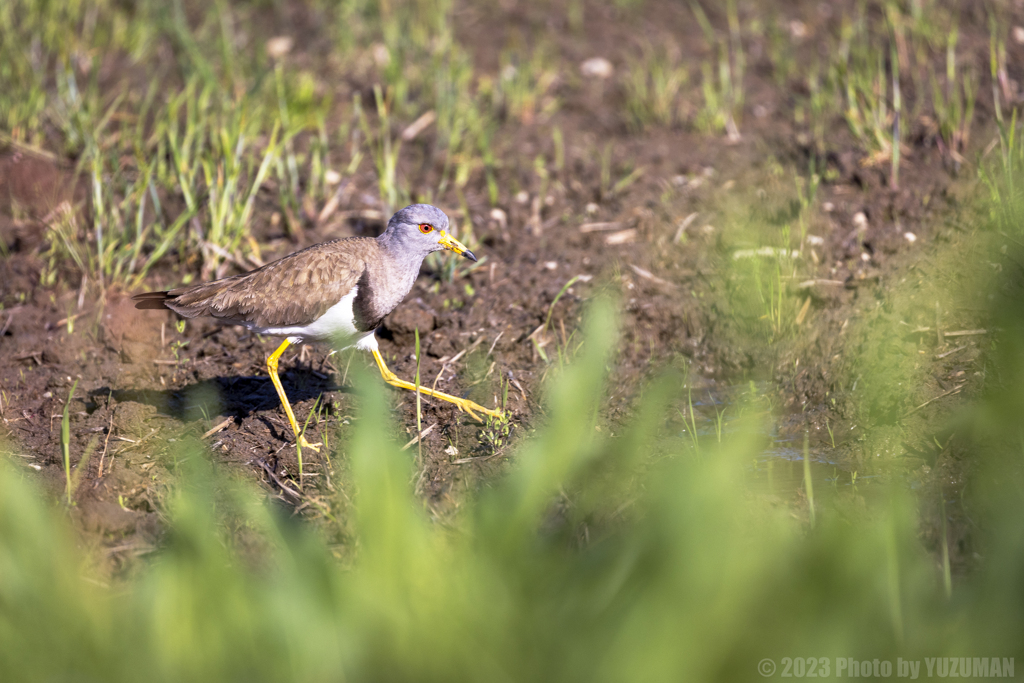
{"x": 778, "y": 469}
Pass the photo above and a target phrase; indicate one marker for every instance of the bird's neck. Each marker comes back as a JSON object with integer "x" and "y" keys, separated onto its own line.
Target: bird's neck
{"x": 394, "y": 275}
{"x": 401, "y": 259}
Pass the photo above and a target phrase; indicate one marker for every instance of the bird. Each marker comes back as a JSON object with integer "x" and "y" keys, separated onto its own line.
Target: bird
{"x": 337, "y": 291}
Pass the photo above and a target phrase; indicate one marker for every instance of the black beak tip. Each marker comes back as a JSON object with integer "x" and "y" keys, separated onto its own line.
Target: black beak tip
{"x": 470, "y": 255}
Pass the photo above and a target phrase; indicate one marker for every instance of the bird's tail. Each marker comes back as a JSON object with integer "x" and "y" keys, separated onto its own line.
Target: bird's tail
{"x": 153, "y": 300}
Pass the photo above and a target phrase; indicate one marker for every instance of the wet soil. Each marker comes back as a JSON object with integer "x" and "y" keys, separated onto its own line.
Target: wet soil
{"x": 144, "y": 385}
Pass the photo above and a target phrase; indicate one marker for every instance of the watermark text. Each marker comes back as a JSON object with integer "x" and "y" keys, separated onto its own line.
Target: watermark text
{"x": 851, "y": 667}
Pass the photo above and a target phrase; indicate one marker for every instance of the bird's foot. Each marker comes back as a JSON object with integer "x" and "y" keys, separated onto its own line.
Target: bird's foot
{"x": 467, "y": 406}
{"x": 302, "y": 443}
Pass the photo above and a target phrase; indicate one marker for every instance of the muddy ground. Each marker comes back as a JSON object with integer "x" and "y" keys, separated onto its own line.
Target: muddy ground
{"x": 143, "y": 386}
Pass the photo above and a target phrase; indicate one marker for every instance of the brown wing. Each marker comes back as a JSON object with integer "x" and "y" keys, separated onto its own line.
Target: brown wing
{"x": 294, "y": 290}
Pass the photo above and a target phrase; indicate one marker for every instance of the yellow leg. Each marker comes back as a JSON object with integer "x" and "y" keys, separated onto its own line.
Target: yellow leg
{"x": 272, "y": 368}
{"x": 461, "y": 403}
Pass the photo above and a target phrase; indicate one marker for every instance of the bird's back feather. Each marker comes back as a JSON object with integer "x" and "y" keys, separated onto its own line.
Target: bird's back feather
{"x": 292, "y": 291}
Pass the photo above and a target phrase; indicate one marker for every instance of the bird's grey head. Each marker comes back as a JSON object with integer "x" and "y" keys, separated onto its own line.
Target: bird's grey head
{"x": 420, "y": 229}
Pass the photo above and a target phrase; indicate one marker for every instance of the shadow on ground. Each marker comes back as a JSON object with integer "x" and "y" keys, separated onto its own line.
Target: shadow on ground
{"x": 231, "y": 396}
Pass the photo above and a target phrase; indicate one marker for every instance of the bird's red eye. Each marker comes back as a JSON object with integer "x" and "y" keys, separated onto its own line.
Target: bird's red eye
{"x": 426, "y": 227}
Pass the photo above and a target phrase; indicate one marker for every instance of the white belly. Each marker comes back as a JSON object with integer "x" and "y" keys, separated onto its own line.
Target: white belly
{"x": 336, "y": 325}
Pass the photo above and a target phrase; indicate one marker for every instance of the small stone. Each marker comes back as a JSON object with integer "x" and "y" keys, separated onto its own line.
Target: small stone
{"x": 910, "y": 237}
{"x": 381, "y": 56}
{"x": 108, "y": 518}
{"x": 597, "y": 67}
{"x": 621, "y": 237}
{"x": 591, "y": 208}
{"x": 865, "y": 256}
{"x": 332, "y": 177}
{"x": 815, "y": 240}
{"x": 828, "y": 207}
{"x": 407, "y": 319}
{"x": 499, "y": 217}
{"x": 1018, "y": 35}
{"x": 797, "y": 29}
{"x": 523, "y": 197}
{"x": 860, "y": 220}
{"x": 551, "y": 265}
{"x": 279, "y": 46}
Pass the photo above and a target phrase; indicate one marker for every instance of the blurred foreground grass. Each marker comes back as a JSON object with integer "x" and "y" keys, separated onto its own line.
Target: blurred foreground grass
{"x": 597, "y": 558}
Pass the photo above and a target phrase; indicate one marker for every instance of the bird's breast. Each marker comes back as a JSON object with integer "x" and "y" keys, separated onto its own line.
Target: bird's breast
{"x": 380, "y": 290}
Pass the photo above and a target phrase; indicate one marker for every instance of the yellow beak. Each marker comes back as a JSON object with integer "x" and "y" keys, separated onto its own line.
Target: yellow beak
{"x": 452, "y": 244}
